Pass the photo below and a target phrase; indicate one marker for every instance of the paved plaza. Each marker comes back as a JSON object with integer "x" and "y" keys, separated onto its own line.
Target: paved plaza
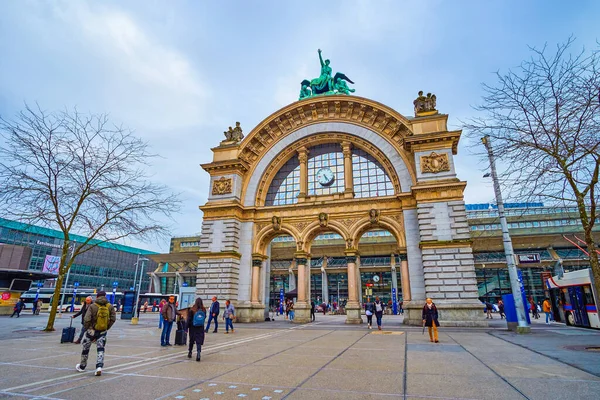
{"x": 323, "y": 360}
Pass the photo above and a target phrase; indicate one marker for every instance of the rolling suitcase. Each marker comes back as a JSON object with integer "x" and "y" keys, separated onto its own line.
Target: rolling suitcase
{"x": 68, "y": 334}
{"x": 180, "y": 337}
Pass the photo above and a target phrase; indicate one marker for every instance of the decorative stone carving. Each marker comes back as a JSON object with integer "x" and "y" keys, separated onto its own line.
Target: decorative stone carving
{"x": 323, "y": 219}
{"x": 222, "y": 186}
{"x": 435, "y": 163}
{"x": 257, "y": 262}
{"x": 374, "y": 215}
{"x": 348, "y": 222}
{"x": 301, "y": 260}
{"x": 299, "y": 245}
{"x": 300, "y": 226}
{"x": 235, "y": 134}
{"x": 425, "y": 105}
{"x": 349, "y": 243}
{"x": 350, "y": 259}
{"x": 276, "y": 221}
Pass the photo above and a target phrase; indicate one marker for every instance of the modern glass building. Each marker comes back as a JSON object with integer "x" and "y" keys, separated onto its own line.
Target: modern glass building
{"x": 97, "y": 268}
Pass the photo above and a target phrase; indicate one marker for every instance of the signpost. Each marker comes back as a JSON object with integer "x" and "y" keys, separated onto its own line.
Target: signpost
{"x": 37, "y": 292}
{"x": 533, "y": 258}
{"x": 394, "y": 302}
{"x": 114, "y": 295}
{"x": 75, "y": 286}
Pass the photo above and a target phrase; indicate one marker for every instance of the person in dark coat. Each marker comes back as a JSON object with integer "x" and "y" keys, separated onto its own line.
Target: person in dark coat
{"x": 430, "y": 320}
{"x": 84, "y": 308}
{"x": 213, "y": 313}
{"x": 369, "y": 311}
{"x": 196, "y": 333}
{"x": 18, "y": 308}
{"x": 312, "y": 311}
{"x": 378, "y": 311}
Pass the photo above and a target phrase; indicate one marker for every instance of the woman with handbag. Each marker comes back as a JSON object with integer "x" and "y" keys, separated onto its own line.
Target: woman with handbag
{"x": 229, "y": 316}
{"x": 369, "y": 310}
{"x": 430, "y": 320}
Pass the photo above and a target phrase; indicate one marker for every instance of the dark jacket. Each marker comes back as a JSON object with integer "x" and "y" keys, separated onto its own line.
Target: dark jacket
{"x": 89, "y": 320}
{"x": 81, "y": 312}
{"x": 370, "y": 307}
{"x": 19, "y": 306}
{"x": 430, "y": 315}
{"x": 215, "y": 308}
{"x": 196, "y": 333}
{"x": 169, "y": 312}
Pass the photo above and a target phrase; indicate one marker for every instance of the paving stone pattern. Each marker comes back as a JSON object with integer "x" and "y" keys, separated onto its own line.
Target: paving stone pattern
{"x": 322, "y": 360}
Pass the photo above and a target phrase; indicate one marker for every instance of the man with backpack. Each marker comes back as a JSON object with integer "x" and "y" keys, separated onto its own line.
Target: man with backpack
{"x": 99, "y": 318}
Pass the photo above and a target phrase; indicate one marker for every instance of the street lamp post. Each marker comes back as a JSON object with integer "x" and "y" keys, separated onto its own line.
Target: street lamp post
{"x": 66, "y": 283}
{"x": 135, "y": 320}
{"x": 515, "y": 284}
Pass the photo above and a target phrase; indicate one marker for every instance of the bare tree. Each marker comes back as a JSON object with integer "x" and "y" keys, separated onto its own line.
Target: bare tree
{"x": 544, "y": 122}
{"x": 79, "y": 174}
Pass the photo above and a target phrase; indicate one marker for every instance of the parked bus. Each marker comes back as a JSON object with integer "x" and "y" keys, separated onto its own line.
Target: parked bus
{"x": 573, "y": 298}
{"x": 46, "y": 295}
{"x": 152, "y": 298}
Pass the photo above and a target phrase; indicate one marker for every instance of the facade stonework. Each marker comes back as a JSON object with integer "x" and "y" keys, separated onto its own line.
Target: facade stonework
{"x": 416, "y": 197}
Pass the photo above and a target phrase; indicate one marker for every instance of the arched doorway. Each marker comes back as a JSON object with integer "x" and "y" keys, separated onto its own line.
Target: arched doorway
{"x": 339, "y": 165}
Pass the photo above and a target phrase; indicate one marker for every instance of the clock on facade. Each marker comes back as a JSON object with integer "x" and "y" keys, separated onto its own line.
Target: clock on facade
{"x": 325, "y": 177}
{"x": 375, "y": 278}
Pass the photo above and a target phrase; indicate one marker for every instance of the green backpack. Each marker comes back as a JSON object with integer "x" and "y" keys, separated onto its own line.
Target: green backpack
{"x": 102, "y": 318}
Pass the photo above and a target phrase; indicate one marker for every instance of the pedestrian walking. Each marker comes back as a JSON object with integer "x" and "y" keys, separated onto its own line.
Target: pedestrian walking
{"x": 488, "y": 309}
{"x": 369, "y": 311}
{"x": 18, "y": 308}
{"x": 378, "y": 311}
{"x": 534, "y": 311}
{"x": 160, "y": 317}
{"x": 229, "y": 316}
{"x": 501, "y": 309}
{"x": 312, "y": 311}
{"x": 547, "y": 309}
{"x": 33, "y": 307}
{"x": 86, "y": 304}
{"x": 291, "y": 312}
{"x": 99, "y": 318}
{"x": 39, "y": 307}
{"x": 213, "y": 314}
{"x": 195, "y": 321}
{"x": 400, "y": 307}
{"x": 145, "y": 307}
{"x": 430, "y": 320}
{"x": 169, "y": 313}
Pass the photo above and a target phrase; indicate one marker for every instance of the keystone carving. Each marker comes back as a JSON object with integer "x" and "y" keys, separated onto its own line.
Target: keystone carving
{"x": 323, "y": 219}
{"x": 374, "y": 215}
{"x": 276, "y": 221}
{"x": 222, "y": 186}
{"x": 434, "y": 163}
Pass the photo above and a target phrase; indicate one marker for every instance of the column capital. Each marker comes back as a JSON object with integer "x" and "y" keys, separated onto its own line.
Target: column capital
{"x": 346, "y": 146}
{"x": 351, "y": 255}
{"x": 301, "y": 257}
{"x": 403, "y": 257}
{"x": 257, "y": 262}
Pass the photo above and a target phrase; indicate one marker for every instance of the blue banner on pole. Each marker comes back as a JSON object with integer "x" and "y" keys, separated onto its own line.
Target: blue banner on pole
{"x": 281, "y": 296}
{"x": 74, "y": 295}
{"x": 394, "y": 302}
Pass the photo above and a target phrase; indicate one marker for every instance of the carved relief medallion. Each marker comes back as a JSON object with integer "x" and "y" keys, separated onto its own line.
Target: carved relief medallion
{"x": 222, "y": 186}
{"x": 435, "y": 163}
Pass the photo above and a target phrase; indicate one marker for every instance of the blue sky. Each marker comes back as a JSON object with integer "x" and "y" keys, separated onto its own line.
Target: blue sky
{"x": 180, "y": 72}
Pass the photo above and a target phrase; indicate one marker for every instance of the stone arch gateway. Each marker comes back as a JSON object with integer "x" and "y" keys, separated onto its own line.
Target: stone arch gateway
{"x": 342, "y": 164}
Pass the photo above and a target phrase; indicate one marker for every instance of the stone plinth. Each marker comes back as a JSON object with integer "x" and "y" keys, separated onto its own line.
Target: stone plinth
{"x": 353, "y": 315}
{"x": 301, "y": 313}
{"x": 458, "y": 313}
{"x": 250, "y": 312}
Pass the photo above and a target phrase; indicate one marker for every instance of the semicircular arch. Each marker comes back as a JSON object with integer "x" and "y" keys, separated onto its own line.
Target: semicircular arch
{"x": 333, "y": 137}
{"x": 315, "y": 229}
{"x": 265, "y": 235}
{"x": 385, "y": 223}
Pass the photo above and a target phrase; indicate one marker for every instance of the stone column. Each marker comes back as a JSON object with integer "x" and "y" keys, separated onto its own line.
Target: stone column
{"x": 405, "y": 278}
{"x": 303, "y": 158}
{"x": 257, "y": 307}
{"x": 394, "y": 276}
{"x": 291, "y": 277}
{"x": 348, "y": 178}
{"x": 302, "y": 306}
{"x": 353, "y": 314}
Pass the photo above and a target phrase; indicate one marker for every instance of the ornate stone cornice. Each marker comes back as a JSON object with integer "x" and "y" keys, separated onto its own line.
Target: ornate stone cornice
{"x": 439, "y": 191}
{"x": 220, "y": 254}
{"x": 446, "y": 244}
{"x": 433, "y": 141}
{"x": 220, "y": 167}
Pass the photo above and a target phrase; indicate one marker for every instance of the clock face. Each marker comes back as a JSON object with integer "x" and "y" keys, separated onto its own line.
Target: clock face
{"x": 325, "y": 177}
{"x": 375, "y": 278}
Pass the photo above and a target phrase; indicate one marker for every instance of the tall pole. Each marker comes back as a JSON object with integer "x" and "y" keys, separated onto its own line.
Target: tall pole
{"x": 64, "y": 288}
{"x": 136, "y": 270}
{"x": 515, "y": 284}
{"x": 137, "y": 296}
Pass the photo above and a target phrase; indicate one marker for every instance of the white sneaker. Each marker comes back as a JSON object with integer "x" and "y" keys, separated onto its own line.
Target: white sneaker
{"x": 98, "y": 371}
{"x": 79, "y": 369}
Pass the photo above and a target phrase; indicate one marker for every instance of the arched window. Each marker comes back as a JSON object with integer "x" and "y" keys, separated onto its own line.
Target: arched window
{"x": 325, "y": 175}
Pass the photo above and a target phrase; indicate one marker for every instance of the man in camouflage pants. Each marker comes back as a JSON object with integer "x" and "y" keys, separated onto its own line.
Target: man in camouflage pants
{"x": 93, "y": 334}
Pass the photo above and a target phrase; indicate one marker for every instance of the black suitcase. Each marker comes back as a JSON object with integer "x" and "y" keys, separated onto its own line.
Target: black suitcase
{"x": 68, "y": 334}
{"x": 180, "y": 337}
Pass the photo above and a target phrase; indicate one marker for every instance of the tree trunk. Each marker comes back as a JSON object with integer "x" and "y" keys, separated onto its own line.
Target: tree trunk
{"x": 57, "y": 289}
{"x": 591, "y": 248}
